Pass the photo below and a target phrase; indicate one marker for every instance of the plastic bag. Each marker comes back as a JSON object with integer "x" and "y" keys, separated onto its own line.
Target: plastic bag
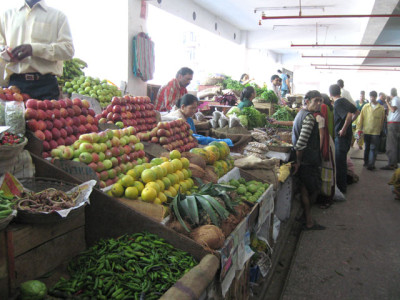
{"x": 216, "y": 115}
{"x": 2, "y": 112}
{"x": 214, "y": 123}
{"x": 223, "y": 121}
{"x": 234, "y": 121}
{"x": 15, "y": 117}
{"x": 199, "y": 116}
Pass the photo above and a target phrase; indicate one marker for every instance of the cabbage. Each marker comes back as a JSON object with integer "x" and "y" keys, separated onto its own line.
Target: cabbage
{"x": 33, "y": 290}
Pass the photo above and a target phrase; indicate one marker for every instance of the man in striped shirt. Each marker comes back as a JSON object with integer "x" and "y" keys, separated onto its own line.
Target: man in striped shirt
{"x": 305, "y": 138}
{"x": 173, "y": 90}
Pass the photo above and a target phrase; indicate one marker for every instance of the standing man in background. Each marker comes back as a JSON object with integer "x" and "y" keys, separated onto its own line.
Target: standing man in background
{"x": 344, "y": 114}
{"x": 35, "y": 39}
{"x": 345, "y": 93}
{"x": 174, "y": 90}
{"x": 285, "y": 87}
{"x": 393, "y": 134}
{"x": 276, "y": 81}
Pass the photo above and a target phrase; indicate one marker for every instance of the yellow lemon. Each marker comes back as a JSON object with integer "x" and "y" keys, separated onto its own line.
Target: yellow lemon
{"x": 160, "y": 183}
{"x": 168, "y": 193}
{"x": 168, "y": 166}
{"x": 167, "y": 182}
{"x": 173, "y": 191}
{"x": 149, "y": 194}
{"x": 153, "y": 185}
{"x": 148, "y": 176}
{"x": 185, "y": 162}
{"x": 177, "y": 187}
{"x": 164, "y": 159}
{"x": 131, "y": 193}
{"x": 157, "y": 201}
{"x": 139, "y": 186}
{"x": 180, "y": 175}
{"x": 127, "y": 180}
{"x": 162, "y": 197}
{"x": 174, "y": 154}
{"x": 185, "y": 173}
{"x": 159, "y": 172}
{"x": 139, "y": 169}
{"x": 177, "y": 164}
{"x": 172, "y": 178}
{"x": 133, "y": 173}
{"x": 117, "y": 190}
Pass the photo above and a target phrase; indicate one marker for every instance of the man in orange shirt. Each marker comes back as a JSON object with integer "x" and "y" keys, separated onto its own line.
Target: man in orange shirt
{"x": 173, "y": 90}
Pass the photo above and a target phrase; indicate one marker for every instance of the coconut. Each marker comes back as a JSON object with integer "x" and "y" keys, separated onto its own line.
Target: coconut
{"x": 196, "y": 171}
{"x": 175, "y": 225}
{"x": 210, "y": 174}
{"x": 195, "y": 159}
{"x": 229, "y": 224}
{"x": 209, "y": 236}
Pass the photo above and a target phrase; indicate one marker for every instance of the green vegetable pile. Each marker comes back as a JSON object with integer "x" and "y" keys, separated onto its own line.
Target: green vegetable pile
{"x": 6, "y": 206}
{"x": 232, "y": 84}
{"x": 137, "y": 266}
{"x": 254, "y": 117}
{"x": 284, "y": 113}
{"x": 71, "y": 68}
{"x": 269, "y": 96}
{"x": 249, "y": 190}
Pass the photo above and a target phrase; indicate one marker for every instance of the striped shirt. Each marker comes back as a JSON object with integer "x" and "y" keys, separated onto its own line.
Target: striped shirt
{"x": 168, "y": 95}
{"x": 306, "y": 129}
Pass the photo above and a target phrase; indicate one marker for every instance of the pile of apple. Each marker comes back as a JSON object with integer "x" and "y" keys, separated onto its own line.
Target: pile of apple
{"x": 109, "y": 153}
{"x": 130, "y": 111}
{"x": 59, "y": 122}
{"x": 173, "y": 135}
{"x": 12, "y": 93}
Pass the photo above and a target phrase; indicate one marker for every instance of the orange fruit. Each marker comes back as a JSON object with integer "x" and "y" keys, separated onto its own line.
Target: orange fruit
{"x": 156, "y": 161}
{"x": 157, "y": 201}
{"x": 185, "y": 162}
{"x": 134, "y": 173}
{"x": 148, "y": 176}
{"x": 174, "y": 154}
{"x": 168, "y": 193}
{"x": 149, "y": 194}
{"x": 177, "y": 164}
{"x": 127, "y": 180}
{"x": 139, "y": 186}
{"x": 180, "y": 175}
{"x": 177, "y": 187}
{"x": 117, "y": 190}
{"x": 161, "y": 184}
{"x": 154, "y": 186}
{"x": 167, "y": 182}
{"x": 162, "y": 197}
{"x": 159, "y": 171}
{"x": 131, "y": 193}
{"x": 173, "y": 191}
{"x": 168, "y": 166}
{"x": 185, "y": 173}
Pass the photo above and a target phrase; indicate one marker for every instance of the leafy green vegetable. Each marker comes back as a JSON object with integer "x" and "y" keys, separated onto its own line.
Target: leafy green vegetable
{"x": 244, "y": 121}
{"x": 284, "y": 113}
{"x": 255, "y": 117}
{"x": 232, "y": 84}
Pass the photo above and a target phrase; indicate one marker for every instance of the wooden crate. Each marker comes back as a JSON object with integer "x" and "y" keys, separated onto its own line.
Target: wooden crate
{"x": 267, "y": 108}
{"x": 34, "y": 250}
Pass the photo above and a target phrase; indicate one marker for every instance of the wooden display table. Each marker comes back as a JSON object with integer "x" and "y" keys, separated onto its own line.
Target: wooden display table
{"x": 267, "y": 108}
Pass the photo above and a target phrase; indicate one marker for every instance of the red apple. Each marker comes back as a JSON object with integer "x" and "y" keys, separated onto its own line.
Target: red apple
{"x": 32, "y": 125}
{"x": 63, "y": 104}
{"x": 68, "y": 102}
{"x": 63, "y": 112}
{"x": 56, "y": 133}
{"x": 115, "y": 101}
{"x": 71, "y": 112}
{"x": 84, "y": 111}
{"x": 32, "y": 103}
{"x": 49, "y": 104}
{"x": 63, "y": 133}
{"x": 77, "y": 102}
{"x": 41, "y": 105}
{"x": 31, "y": 113}
{"x": 40, "y": 135}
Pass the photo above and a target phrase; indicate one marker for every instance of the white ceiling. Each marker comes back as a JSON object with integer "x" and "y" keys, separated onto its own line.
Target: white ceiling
{"x": 279, "y": 35}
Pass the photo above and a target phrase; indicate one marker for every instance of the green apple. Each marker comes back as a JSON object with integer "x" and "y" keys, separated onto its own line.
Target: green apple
{"x": 86, "y": 157}
{"x": 102, "y": 156}
{"x": 107, "y": 164}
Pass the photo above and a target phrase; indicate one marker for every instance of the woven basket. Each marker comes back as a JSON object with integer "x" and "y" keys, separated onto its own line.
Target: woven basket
{"x": 37, "y": 184}
{"x": 9, "y": 151}
{"x": 4, "y": 222}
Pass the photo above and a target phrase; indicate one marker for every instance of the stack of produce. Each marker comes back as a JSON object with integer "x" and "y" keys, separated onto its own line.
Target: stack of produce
{"x": 258, "y": 149}
{"x": 217, "y": 157}
{"x": 59, "y": 122}
{"x": 208, "y": 215}
{"x": 12, "y": 93}
{"x": 139, "y": 265}
{"x": 130, "y": 111}
{"x": 72, "y": 68}
{"x": 11, "y": 139}
{"x": 173, "y": 135}
{"x": 109, "y": 153}
{"x": 155, "y": 181}
{"x": 93, "y": 87}
{"x": 248, "y": 190}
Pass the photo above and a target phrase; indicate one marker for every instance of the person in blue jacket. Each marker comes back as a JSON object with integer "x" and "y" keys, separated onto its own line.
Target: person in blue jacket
{"x": 186, "y": 108}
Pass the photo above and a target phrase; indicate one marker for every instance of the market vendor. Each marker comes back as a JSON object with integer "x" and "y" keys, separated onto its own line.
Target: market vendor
{"x": 169, "y": 94}
{"x": 246, "y": 97}
{"x": 186, "y": 107}
{"x": 35, "y": 39}
{"x": 245, "y": 79}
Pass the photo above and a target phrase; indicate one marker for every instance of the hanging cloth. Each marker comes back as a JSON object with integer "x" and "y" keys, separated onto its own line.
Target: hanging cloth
{"x": 143, "y": 56}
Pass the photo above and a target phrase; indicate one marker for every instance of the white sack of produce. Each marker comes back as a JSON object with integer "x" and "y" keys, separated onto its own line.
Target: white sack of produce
{"x": 211, "y": 92}
{"x": 216, "y": 115}
{"x": 199, "y": 116}
{"x": 234, "y": 121}
{"x": 223, "y": 121}
{"x": 254, "y": 162}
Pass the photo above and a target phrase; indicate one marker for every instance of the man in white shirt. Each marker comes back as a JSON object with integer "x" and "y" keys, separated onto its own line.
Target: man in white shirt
{"x": 276, "y": 84}
{"x": 393, "y": 133}
{"x": 37, "y": 39}
{"x": 345, "y": 93}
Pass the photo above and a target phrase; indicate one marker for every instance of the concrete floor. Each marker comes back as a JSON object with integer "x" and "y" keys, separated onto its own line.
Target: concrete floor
{"x": 358, "y": 255}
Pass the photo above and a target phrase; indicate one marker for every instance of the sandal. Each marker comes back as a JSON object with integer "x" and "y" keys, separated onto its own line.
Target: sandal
{"x": 316, "y": 226}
